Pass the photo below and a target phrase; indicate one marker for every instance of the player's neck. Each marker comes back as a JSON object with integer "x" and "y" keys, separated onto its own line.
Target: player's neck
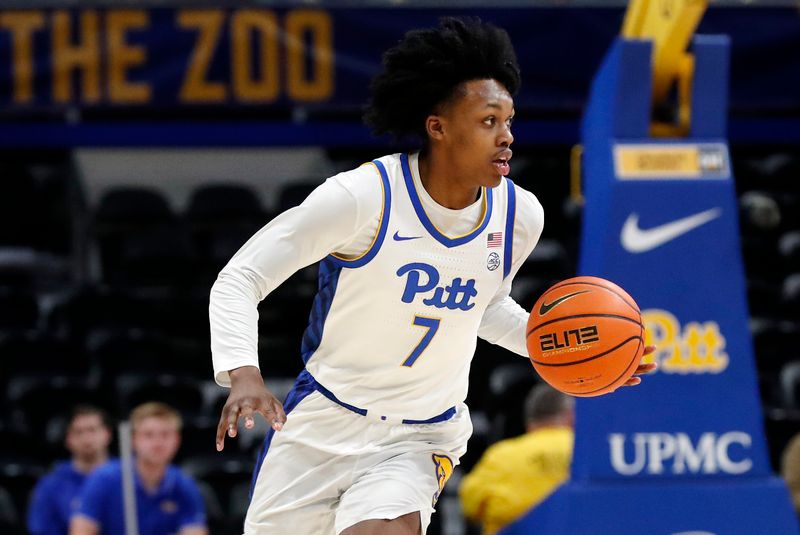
{"x": 440, "y": 179}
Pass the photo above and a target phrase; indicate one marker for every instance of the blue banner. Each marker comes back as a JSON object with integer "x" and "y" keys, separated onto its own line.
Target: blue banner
{"x": 275, "y": 60}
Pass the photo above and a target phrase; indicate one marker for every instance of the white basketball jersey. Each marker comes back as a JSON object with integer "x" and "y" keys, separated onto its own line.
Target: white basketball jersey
{"x": 394, "y": 330}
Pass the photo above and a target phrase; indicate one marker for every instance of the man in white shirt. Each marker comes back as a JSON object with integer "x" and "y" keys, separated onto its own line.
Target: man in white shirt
{"x": 417, "y": 253}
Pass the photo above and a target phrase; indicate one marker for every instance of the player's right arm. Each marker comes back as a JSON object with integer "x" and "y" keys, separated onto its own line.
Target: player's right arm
{"x": 331, "y": 219}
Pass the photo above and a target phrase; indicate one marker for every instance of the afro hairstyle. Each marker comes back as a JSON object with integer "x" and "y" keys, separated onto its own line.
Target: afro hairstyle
{"x": 425, "y": 69}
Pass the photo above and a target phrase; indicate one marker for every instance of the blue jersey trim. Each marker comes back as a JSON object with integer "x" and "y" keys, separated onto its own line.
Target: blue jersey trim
{"x": 303, "y": 386}
{"x": 378, "y": 241}
{"x": 508, "y": 246}
{"x": 329, "y": 272}
{"x": 426, "y": 222}
{"x": 446, "y": 415}
{"x": 328, "y": 394}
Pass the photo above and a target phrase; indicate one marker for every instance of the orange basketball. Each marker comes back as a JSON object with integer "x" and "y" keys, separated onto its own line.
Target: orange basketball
{"x": 585, "y": 336}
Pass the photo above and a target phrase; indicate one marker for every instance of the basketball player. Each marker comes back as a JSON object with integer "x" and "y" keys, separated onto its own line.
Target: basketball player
{"x": 417, "y": 256}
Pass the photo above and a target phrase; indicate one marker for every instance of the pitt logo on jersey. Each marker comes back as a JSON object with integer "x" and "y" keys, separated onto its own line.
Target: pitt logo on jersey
{"x": 444, "y": 469}
{"x": 456, "y": 296}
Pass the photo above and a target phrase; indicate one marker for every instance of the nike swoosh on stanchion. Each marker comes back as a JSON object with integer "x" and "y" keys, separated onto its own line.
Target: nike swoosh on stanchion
{"x": 398, "y": 237}
{"x": 544, "y": 308}
{"x": 638, "y": 240}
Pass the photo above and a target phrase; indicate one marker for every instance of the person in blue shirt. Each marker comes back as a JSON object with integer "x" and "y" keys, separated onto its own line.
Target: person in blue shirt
{"x": 55, "y": 495}
{"x": 167, "y": 500}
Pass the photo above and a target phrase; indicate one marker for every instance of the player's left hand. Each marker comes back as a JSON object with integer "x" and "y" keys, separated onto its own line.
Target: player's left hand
{"x": 643, "y": 369}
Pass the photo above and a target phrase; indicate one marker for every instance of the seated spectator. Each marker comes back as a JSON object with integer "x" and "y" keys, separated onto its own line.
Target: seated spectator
{"x": 56, "y": 494}
{"x": 516, "y": 474}
{"x": 167, "y": 500}
{"x": 790, "y": 470}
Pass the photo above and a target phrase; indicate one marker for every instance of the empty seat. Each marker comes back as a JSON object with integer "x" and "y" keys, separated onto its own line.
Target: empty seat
{"x": 239, "y": 501}
{"x": 19, "y": 311}
{"x": 790, "y": 296}
{"x": 509, "y": 385}
{"x": 223, "y": 473}
{"x": 764, "y": 297}
{"x": 139, "y": 240}
{"x": 26, "y": 268}
{"x": 790, "y": 383}
{"x": 221, "y": 218}
{"x": 293, "y": 194}
{"x": 36, "y": 400}
{"x": 123, "y": 207}
{"x": 761, "y": 257}
{"x": 214, "y": 512}
{"x": 549, "y": 259}
{"x": 162, "y": 308}
{"x": 223, "y": 203}
{"x": 139, "y": 351}
{"x": 759, "y": 213}
{"x": 527, "y": 289}
{"x": 10, "y": 519}
{"x": 21, "y": 445}
{"x": 19, "y": 207}
{"x": 772, "y": 341}
{"x": 182, "y": 393}
{"x": 789, "y": 248}
{"x": 38, "y": 204}
{"x": 19, "y": 478}
{"x": 198, "y": 437}
{"x": 32, "y": 353}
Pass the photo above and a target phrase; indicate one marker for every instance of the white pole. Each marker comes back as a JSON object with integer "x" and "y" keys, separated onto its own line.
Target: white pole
{"x": 128, "y": 485}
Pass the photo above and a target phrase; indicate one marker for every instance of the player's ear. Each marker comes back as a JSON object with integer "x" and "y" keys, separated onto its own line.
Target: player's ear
{"x": 434, "y": 126}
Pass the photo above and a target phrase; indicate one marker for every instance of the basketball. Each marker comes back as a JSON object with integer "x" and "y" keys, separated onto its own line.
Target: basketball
{"x": 585, "y": 336}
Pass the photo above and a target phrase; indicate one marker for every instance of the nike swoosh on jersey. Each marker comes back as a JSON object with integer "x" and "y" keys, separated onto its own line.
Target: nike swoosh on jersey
{"x": 638, "y": 240}
{"x": 547, "y": 307}
{"x": 398, "y": 237}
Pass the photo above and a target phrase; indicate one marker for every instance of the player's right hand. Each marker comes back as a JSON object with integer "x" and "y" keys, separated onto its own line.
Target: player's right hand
{"x": 248, "y": 396}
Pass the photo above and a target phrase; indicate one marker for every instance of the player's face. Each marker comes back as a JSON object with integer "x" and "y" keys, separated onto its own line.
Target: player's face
{"x": 156, "y": 440}
{"x": 477, "y": 125}
{"x": 87, "y": 437}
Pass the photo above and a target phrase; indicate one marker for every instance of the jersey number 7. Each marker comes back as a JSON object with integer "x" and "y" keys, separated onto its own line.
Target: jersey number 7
{"x": 432, "y": 324}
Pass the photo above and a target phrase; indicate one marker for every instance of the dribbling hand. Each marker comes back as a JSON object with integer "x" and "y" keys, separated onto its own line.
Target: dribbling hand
{"x": 642, "y": 369}
{"x": 248, "y": 396}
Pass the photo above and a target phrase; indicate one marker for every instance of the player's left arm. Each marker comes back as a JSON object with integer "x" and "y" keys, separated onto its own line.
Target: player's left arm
{"x": 504, "y": 322}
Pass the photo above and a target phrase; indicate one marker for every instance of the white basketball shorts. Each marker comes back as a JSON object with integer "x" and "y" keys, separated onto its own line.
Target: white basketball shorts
{"x": 330, "y": 468}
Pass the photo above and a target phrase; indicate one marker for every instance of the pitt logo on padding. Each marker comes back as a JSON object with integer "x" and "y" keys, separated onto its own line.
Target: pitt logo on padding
{"x": 456, "y": 296}
{"x": 692, "y": 348}
{"x": 444, "y": 469}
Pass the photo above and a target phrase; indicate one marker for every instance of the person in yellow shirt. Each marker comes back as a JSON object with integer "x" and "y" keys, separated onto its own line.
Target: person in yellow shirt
{"x": 516, "y": 474}
{"x": 790, "y": 469}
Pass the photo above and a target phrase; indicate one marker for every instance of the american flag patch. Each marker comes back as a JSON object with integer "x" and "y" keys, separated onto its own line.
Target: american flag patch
{"x": 494, "y": 239}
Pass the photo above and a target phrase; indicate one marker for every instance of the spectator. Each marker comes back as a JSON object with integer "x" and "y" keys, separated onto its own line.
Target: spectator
{"x": 167, "y": 500}
{"x": 790, "y": 470}
{"x": 54, "y": 498}
{"x": 516, "y": 474}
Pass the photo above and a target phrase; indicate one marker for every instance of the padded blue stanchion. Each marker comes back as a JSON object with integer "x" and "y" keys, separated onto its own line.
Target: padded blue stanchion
{"x": 685, "y": 451}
